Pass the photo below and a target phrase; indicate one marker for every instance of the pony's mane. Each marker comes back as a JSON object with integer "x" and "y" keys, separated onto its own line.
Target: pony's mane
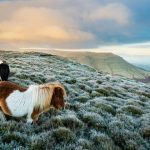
{"x": 42, "y": 94}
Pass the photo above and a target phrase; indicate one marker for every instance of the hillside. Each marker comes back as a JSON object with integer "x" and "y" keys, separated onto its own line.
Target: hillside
{"x": 106, "y": 62}
{"x": 105, "y": 112}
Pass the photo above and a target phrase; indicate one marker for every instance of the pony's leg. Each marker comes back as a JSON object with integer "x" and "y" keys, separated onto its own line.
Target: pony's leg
{"x": 2, "y": 116}
{"x": 35, "y": 118}
{"x": 29, "y": 119}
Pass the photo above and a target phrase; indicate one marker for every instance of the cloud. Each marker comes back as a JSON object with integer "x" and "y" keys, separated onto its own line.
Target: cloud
{"x": 115, "y": 12}
{"x": 41, "y": 25}
{"x": 60, "y": 24}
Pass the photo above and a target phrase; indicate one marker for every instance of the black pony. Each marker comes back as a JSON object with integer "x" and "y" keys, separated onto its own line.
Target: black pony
{"x": 4, "y": 70}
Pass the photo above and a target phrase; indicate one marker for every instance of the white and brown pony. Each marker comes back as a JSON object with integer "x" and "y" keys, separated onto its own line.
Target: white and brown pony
{"x": 19, "y": 101}
{"x": 4, "y": 70}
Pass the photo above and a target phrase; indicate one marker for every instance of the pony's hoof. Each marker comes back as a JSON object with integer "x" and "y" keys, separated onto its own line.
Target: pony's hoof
{"x": 29, "y": 121}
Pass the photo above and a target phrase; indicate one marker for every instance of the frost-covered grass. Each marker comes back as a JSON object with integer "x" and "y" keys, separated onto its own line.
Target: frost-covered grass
{"x": 104, "y": 112}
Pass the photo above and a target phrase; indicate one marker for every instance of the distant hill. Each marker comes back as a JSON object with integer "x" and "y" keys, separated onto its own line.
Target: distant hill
{"x": 144, "y": 66}
{"x": 107, "y": 62}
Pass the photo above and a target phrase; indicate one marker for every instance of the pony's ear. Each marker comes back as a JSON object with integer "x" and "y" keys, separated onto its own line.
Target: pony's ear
{"x": 58, "y": 98}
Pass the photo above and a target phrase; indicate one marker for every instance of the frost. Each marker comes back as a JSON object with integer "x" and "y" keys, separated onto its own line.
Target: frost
{"x": 103, "y": 112}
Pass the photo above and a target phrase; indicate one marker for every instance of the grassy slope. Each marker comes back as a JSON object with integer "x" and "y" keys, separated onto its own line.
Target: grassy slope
{"x": 106, "y": 62}
{"x": 104, "y": 112}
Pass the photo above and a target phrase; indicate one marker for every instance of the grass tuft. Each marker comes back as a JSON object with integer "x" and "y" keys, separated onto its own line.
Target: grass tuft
{"x": 63, "y": 134}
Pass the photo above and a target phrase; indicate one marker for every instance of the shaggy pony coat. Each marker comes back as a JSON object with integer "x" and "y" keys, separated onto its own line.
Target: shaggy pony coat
{"x": 19, "y": 101}
{"x": 4, "y": 70}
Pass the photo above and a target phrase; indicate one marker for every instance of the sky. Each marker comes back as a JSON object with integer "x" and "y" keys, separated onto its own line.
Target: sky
{"x": 119, "y": 26}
